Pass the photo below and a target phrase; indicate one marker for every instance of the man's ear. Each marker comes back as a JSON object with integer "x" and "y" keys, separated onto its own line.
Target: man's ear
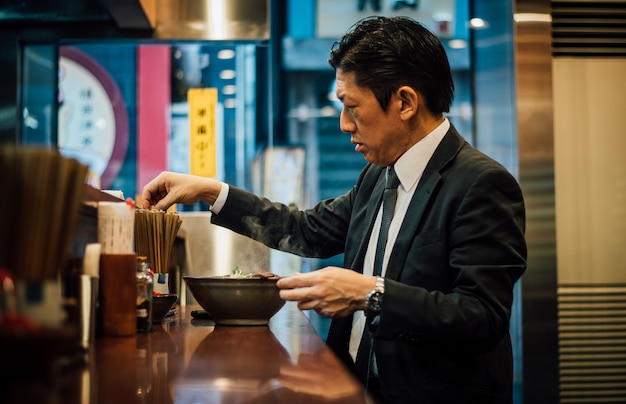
{"x": 410, "y": 100}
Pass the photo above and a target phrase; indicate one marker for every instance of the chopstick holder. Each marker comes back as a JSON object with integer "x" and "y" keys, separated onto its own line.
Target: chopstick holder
{"x": 117, "y": 295}
{"x": 118, "y": 262}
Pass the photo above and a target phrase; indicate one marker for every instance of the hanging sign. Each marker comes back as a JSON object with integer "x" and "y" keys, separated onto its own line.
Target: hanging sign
{"x": 202, "y": 148}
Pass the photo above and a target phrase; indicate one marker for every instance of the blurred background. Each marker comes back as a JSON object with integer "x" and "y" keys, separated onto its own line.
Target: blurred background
{"x": 539, "y": 87}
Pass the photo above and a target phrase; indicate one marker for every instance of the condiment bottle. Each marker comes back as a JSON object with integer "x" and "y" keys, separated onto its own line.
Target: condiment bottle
{"x": 144, "y": 295}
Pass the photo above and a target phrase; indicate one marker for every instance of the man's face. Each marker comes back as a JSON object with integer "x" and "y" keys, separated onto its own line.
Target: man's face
{"x": 379, "y": 135}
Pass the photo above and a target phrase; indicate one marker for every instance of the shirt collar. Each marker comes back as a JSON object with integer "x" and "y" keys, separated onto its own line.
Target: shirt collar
{"x": 410, "y": 166}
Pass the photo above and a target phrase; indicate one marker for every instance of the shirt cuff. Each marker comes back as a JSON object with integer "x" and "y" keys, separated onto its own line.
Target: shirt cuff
{"x": 221, "y": 199}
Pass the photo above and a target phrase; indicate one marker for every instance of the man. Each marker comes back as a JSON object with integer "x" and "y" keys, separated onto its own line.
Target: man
{"x": 437, "y": 314}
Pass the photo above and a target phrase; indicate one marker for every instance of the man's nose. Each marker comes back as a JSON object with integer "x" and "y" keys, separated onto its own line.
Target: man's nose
{"x": 346, "y": 123}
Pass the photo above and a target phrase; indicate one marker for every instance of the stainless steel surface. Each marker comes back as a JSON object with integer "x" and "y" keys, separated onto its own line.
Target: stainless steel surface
{"x": 212, "y": 19}
{"x": 88, "y": 295}
{"x": 533, "y": 66}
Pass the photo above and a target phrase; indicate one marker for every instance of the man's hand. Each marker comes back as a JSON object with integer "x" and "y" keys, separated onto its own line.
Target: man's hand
{"x": 169, "y": 188}
{"x": 331, "y": 291}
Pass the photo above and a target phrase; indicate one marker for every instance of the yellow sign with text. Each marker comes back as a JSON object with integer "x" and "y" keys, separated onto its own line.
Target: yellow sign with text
{"x": 202, "y": 148}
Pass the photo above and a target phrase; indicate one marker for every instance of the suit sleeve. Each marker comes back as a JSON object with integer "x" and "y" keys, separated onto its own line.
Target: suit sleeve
{"x": 319, "y": 232}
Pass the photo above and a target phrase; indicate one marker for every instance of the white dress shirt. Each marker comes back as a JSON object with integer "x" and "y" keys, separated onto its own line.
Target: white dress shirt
{"x": 409, "y": 169}
{"x": 221, "y": 199}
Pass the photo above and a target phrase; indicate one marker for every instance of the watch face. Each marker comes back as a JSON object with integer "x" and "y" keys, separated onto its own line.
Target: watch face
{"x": 92, "y": 118}
{"x": 374, "y": 302}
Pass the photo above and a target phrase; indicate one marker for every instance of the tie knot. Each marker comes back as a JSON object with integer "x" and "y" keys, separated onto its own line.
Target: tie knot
{"x": 392, "y": 181}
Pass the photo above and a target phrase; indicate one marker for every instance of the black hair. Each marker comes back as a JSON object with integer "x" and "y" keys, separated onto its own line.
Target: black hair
{"x": 385, "y": 53}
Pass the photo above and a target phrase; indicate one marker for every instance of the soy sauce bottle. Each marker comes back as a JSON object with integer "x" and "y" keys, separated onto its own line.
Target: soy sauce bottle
{"x": 144, "y": 295}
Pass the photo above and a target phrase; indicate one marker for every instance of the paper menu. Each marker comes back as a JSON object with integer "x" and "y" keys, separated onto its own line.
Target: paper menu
{"x": 116, "y": 225}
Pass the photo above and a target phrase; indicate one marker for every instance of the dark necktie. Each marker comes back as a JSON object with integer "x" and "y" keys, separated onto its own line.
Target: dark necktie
{"x": 389, "y": 203}
{"x": 365, "y": 353}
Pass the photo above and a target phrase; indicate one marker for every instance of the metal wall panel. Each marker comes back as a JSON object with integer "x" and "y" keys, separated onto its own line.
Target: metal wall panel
{"x": 212, "y": 19}
{"x": 533, "y": 64}
{"x": 589, "y": 28}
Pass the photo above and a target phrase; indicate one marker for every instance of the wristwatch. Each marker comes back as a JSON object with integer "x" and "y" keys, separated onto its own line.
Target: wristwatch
{"x": 374, "y": 299}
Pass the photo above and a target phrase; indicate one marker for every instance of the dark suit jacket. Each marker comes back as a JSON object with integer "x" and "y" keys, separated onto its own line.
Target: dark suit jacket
{"x": 443, "y": 332}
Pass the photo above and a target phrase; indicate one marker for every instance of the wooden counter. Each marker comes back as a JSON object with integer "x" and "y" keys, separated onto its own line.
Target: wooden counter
{"x": 184, "y": 360}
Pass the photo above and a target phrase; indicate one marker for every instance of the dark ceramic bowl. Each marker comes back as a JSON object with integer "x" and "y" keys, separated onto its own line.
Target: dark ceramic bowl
{"x": 161, "y": 305}
{"x": 236, "y": 301}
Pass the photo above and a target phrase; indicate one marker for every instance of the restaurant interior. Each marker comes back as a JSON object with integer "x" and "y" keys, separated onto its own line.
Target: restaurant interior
{"x": 539, "y": 86}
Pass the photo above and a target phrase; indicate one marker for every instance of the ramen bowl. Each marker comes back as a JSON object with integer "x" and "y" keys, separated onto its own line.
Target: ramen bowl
{"x": 235, "y": 300}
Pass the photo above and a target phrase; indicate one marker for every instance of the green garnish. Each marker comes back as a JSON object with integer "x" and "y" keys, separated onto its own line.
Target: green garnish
{"x": 238, "y": 273}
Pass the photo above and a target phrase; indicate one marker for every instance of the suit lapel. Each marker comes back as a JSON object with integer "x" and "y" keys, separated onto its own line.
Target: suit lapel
{"x": 372, "y": 209}
{"x": 412, "y": 219}
{"x": 445, "y": 152}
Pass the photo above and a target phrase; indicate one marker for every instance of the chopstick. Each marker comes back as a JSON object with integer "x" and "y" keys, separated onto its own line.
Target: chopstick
{"x": 155, "y": 233}
{"x": 48, "y": 188}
